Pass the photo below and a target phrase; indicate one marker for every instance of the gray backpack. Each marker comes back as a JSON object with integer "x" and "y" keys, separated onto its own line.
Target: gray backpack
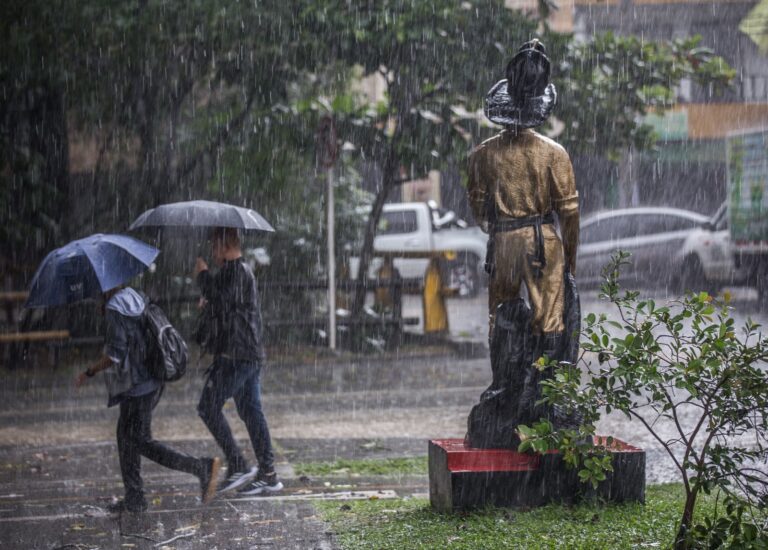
{"x": 167, "y": 353}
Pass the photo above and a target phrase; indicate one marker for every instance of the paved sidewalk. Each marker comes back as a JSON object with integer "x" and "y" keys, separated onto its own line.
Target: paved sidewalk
{"x": 54, "y": 497}
{"x": 59, "y": 468}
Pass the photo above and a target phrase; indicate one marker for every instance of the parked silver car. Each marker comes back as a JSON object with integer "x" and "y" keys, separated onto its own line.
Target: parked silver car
{"x": 709, "y": 256}
{"x": 654, "y": 236}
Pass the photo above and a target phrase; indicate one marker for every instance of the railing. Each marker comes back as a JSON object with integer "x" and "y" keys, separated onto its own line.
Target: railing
{"x": 57, "y": 339}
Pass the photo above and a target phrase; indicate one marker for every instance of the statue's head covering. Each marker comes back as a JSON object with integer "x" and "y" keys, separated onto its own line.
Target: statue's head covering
{"x": 526, "y": 97}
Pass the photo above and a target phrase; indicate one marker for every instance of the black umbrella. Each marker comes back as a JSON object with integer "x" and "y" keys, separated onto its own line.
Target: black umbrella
{"x": 202, "y": 214}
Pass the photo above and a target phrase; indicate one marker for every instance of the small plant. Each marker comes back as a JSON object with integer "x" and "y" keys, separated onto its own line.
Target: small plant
{"x": 699, "y": 387}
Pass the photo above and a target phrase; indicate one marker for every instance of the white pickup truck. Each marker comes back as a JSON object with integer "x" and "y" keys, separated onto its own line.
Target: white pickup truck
{"x": 409, "y": 229}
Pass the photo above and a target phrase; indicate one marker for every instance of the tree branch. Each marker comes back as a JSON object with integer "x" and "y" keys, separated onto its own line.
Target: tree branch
{"x": 221, "y": 136}
{"x": 666, "y": 448}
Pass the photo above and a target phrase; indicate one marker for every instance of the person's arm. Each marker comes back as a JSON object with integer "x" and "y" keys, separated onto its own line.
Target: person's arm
{"x": 94, "y": 369}
{"x": 115, "y": 347}
{"x": 204, "y": 279}
{"x": 565, "y": 201}
{"x": 211, "y": 287}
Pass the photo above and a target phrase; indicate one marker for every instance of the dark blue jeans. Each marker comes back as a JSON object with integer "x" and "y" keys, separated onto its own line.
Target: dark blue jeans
{"x": 134, "y": 440}
{"x": 238, "y": 379}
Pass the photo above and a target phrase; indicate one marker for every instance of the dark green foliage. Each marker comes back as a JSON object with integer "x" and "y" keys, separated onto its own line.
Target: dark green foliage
{"x": 437, "y": 59}
{"x": 160, "y": 101}
{"x": 680, "y": 368}
{"x": 608, "y": 83}
{"x": 34, "y": 153}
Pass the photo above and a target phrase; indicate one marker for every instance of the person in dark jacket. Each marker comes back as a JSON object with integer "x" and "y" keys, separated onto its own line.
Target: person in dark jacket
{"x": 130, "y": 385}
{"x": 234, "y": 338}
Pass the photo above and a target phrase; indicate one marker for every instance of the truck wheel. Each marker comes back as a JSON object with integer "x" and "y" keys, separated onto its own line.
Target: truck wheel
{"x": 464, "y": 275}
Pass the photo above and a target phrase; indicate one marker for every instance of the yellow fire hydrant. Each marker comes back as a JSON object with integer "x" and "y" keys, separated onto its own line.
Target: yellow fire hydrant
{"x": 433, "y": 298}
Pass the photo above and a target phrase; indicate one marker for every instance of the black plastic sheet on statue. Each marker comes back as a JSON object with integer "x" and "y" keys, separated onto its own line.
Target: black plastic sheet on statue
{"x": 515, "y": 391}
{"x": 501, "y": 108}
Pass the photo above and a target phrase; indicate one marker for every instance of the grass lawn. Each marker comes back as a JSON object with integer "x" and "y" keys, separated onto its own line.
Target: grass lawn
{"x": 377, "y": 467}
{"x": 411, "y": 523}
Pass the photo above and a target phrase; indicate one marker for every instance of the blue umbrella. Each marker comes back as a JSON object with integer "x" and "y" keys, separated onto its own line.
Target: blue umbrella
{"x": 88, "y": 267}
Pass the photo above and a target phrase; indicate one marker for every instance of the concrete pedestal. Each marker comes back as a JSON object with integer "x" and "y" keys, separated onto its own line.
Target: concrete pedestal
{"x": 463, "y": 478}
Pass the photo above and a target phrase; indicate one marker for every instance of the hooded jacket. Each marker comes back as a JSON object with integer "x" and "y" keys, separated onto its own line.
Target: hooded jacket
{"x": 126, "y": 347}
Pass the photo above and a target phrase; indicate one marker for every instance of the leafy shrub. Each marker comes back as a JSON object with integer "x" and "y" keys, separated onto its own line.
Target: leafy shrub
{"x": 682, "y": 363}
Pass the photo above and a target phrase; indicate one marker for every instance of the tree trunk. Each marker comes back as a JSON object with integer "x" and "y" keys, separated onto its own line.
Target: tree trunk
{"x": 48, "y": 122}
{"x": 57, "y": 147}
{"x": 389, "y": 178}
{"x": 686, "y": 522}
{"x": 146, "y": 195}
{"x": 629, "y": 191}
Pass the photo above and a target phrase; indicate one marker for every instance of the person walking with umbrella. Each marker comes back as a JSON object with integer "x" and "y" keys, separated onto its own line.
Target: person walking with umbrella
{"x": 235, "y": 340}
{"x": 231, "y": 331}
{"x": 100, "y": 265}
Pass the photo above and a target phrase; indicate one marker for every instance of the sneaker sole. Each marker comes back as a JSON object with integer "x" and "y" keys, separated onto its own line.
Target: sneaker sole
{"x": 240, "y": 482}
{"x": 210, "y": 490}
{"x": 262, "y": 490}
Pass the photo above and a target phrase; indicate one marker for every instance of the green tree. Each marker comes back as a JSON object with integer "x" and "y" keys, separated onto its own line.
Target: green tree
{"x": 184, "y": 79}
{"x": 608, "y": 83}
{"x": 34, "y": 152}
{"x": 172, "y": 94}
{"x": 437, "y": 58}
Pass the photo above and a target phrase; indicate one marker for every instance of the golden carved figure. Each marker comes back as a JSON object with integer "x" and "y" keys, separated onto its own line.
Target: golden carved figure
{"x": 517, "y": 179}
{"x": 522, "y": 175}
{"x": 521, "y": 184}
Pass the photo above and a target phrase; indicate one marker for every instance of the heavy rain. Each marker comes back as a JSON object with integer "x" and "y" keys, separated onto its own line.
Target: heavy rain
{"x": 326, "y": 274}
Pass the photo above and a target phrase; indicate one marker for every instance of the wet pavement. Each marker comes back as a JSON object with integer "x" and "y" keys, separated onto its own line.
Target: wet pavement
{"x": 59, "y": 469}
{"x": 58, "y": 459}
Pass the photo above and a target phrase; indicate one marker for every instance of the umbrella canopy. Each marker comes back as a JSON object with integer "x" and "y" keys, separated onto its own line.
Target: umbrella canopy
{"x": 202, "y": 214}
{"x": 88, "y": 267}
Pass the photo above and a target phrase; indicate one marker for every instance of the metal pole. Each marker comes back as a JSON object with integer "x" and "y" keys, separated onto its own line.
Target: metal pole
{"x": 331, "y": 266}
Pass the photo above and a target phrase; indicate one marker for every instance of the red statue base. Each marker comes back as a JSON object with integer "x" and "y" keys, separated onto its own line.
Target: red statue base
{"x": 462, "y": 477}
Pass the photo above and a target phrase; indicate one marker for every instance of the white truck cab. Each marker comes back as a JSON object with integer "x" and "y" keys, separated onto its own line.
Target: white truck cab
{"x": 409, "y": 229}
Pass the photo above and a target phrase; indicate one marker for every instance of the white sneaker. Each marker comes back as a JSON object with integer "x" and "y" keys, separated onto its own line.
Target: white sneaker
{"x": 236, "y": 480}
{"x": 262, "y": 484}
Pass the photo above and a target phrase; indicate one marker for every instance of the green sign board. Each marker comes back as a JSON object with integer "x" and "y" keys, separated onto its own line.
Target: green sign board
{"x": 669, "y": 126}
{"x": 747, "y": 179}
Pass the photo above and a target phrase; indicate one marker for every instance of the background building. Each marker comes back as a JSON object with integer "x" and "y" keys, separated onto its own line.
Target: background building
{"x": 687, "y": 169}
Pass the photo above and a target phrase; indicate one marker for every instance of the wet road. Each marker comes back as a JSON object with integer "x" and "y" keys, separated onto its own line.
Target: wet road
{"x": 58, "y": 462}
